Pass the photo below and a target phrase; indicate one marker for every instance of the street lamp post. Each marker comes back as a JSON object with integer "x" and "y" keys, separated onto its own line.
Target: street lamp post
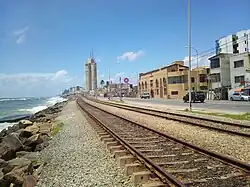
{"x": 189, "y": 55}
{"x": 197, "y": 65}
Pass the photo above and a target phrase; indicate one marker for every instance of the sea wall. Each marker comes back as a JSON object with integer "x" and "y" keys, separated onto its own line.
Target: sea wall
{"x": 20, "y": 145}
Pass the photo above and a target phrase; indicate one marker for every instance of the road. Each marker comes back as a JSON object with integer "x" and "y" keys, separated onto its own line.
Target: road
{"x": 210, "y": 106}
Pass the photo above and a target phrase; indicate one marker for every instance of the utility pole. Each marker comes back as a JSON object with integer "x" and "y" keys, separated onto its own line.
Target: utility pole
{"x": 120, "y": 89}
{"x": 189, "y": 55}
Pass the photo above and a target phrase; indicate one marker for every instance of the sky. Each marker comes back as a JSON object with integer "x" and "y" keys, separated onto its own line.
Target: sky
{"x": 44, "y": 44}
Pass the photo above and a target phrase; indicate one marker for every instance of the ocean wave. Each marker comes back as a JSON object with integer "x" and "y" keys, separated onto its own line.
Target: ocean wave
{"x": 5, "y": 125}
{"x": 50, "y": 102}
{"x": 34, "y": 109}
{"x": 53, "y": 100}
{"x": 13, "y": 99}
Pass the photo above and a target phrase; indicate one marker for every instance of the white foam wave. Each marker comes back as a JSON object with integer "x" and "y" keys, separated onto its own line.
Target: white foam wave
{"x": 5, "y": 125}
{"x": 34, "y": 109}
{"x": 53, "y": 100}
{"x": 13, "y": 99}
{"x": 50, "y": 102}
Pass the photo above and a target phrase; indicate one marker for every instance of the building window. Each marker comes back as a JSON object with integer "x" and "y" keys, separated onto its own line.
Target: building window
{"x": 151, "y": 83}
{"x": 215, "y": 77}
{"x": 157, "y": 92}
{"x": 203, "y": 87}
{"x": 215, "y": 63}
{"x": 239, "y": 79}
{"x": 165, "y": 91}
{"x": 203, "y": 78}
{"x": 164, "y": 82}
{"x": 192, "y": 79}
{"x": 139, "y": 86}
{"x": 177, "y": 80}
{"x": 146, "y": 86}
{"x": 245, "y": 49}
{"x": 156, "y": 83}
{"x": 239, "y": 63}
{"x": 174, "y": 93}
{"x": 142, "y": 85}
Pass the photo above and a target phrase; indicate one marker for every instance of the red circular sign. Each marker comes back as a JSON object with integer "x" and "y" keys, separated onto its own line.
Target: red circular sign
{"x": 126, "y": 80}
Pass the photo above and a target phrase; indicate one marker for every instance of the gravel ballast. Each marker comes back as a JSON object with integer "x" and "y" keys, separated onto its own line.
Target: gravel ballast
{"x": 235, "y": 146}
{"x": 76, "y": 156}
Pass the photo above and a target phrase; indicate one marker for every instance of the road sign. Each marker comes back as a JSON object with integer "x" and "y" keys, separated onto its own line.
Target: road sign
{"x": 126, "y": 80}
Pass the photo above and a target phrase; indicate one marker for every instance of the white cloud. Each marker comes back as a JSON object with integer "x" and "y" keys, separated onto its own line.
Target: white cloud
{"x": 21, "y": 39}
{"x": 202, "y": 61}
{"x": 21, "y": 35}
{"x": 21, "y": 31}
{"x": 34, "y": 84}
{"x": 130, "y": 56}
{"x": 102, "y": 75}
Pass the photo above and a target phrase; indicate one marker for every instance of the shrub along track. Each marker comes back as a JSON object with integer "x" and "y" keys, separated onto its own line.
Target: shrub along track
{"x": 212, "y": 124}
{"x": 174, "y": 161}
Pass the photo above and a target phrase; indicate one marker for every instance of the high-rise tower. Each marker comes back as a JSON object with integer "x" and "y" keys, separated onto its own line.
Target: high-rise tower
{"x": 91, "y": 73}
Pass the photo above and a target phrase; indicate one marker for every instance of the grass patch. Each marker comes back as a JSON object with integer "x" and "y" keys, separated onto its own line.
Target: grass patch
{"x": 56, "y": 128}
{"x": 244, "y": 116}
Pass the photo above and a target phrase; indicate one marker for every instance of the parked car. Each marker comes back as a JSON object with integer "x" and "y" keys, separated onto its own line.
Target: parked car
{"x": 237, "y": 96}
{"x": 145, "y": 95}
{"x": 195, "y": 96}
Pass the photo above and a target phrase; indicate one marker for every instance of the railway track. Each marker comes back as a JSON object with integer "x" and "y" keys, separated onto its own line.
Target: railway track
{"x": 212, "y": 124}
{"x": 173, "y": 161}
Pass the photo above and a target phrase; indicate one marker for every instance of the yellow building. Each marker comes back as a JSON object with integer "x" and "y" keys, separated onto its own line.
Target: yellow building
{"x": 172, "y": 81}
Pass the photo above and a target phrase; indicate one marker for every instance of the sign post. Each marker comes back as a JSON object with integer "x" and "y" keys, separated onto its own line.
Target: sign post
{"x": 126, "y": 80}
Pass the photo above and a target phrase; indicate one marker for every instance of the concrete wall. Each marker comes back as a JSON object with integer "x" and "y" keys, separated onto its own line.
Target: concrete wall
{"x": 225, "y": 70}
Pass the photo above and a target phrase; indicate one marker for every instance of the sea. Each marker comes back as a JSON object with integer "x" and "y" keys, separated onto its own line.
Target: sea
{"x": 15, "y": 108}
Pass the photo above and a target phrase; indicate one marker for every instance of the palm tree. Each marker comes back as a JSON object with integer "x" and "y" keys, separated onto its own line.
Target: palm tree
{"x": 102, "y": 83}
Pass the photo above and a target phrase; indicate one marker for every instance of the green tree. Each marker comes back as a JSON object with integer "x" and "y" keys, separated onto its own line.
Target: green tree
{"x": 102, "y": 83}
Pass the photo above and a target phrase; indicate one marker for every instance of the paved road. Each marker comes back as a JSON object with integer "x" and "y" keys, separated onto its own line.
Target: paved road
{"x": 221, "y": 106}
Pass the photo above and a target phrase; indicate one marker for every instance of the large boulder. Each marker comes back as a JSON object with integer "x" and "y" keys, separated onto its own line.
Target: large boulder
{"x": 9, "y": 145}
{"x": 29, "y": 181}
{"x": 35, "y": 139}
{"x": 25, "y": 123}
{"x": 45, "y": 128}
{"x": 3, "y": 163}
{"x": 16, "y": 176}
{"x": 3, "y": 182}
{"x": 33, "y": 128}
{"x": 24, "y": 133}
{"x": 16, "y": 164}
{"x": 41, "y": 146}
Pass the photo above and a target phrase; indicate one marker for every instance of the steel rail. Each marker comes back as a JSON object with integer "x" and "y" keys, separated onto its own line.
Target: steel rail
{"x": 163, "y": 175}
{"x": 162, "y": 114}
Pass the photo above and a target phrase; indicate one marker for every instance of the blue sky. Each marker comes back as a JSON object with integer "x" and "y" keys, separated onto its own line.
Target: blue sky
{"x": 44, "y": 44}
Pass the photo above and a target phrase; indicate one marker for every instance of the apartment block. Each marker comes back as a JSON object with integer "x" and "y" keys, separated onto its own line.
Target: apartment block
{"x": 171, "y": 82}
{"x": 240, "y": 70}
{"x": 91, "y": 74}
{"x": 234, "y": 43}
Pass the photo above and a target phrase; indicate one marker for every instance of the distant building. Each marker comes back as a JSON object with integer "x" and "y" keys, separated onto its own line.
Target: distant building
{"x": 234, "y": 43}
{"x": 91, "y": 74}
{"x": 171, "y": 82}
{"x": 240, "y": 70}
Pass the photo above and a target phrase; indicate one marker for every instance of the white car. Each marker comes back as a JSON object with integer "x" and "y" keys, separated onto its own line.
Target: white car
{"x": 245, "y": 97}
{"x": 237, "y": 96}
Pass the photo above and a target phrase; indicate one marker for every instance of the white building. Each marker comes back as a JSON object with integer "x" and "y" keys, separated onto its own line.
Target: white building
{"x": 91, "y": 74}
{"x": 220, "y": 73}
{"x": 234, "y": 43}
{"x": 240, "y": 70}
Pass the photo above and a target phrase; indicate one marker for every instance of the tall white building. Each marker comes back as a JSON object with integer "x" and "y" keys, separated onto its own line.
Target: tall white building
{"x": 91, "y": 74}
{"x": 234, "y": 43}
{"x": 240, "y": 70}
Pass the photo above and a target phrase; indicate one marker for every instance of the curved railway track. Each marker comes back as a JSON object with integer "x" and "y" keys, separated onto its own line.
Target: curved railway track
{"x": 208, "y": 123}
{"x": 175, "y": 162}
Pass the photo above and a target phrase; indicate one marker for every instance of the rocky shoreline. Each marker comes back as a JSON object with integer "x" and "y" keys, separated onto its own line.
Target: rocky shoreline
{"x": 20, "y": 145}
